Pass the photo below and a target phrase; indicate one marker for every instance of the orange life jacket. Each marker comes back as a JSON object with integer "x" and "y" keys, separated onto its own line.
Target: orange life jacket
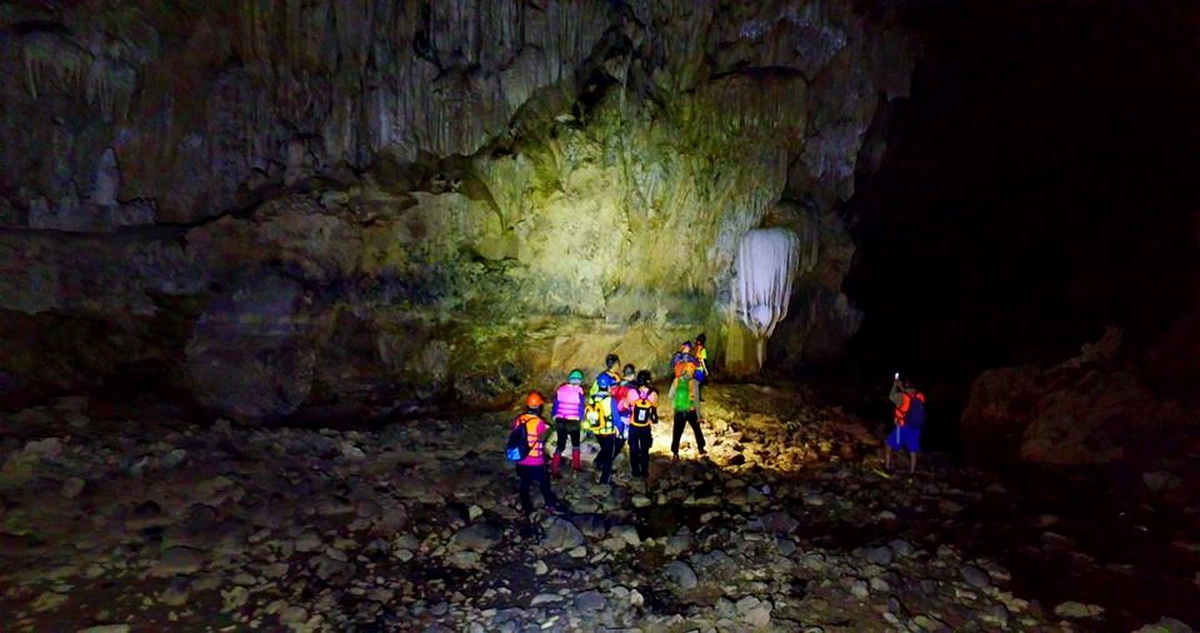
{"x": 531, "y": 434}
{"x": 905, "y": 404}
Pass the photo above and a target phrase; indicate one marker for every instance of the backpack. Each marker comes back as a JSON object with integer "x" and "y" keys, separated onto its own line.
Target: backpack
{"x": 518, "y": 442}
{"x": 644, "y": 413}
{"x": 597, "y": 412}
{"x": 915, "y": 418}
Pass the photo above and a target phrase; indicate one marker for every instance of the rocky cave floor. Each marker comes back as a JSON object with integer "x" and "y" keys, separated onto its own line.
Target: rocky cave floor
{"x": 125, "y": 524}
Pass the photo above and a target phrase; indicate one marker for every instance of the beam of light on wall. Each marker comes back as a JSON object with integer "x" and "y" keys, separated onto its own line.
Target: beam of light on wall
{"x": 767, "y": 260}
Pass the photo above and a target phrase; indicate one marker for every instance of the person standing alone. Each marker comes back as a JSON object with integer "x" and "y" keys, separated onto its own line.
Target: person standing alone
{"x": 908, "y": 418}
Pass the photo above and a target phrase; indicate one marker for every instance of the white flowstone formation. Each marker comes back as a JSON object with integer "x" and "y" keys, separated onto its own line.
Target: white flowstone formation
{"x": 767, "y": 261}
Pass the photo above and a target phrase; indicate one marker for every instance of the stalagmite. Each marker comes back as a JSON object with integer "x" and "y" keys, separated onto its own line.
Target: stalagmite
{"x": 767, "y": 262}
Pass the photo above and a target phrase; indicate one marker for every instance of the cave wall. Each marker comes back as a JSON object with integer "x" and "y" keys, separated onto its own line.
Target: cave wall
{"x": 319, "y": 207}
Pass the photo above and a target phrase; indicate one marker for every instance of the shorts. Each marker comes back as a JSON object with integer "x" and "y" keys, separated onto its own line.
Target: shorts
{"x": 906, "y": 437}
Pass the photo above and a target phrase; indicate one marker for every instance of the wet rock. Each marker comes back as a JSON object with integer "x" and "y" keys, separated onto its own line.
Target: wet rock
{"x": 590, "y": 601}
{"x": 678, "y": 544}
{"x": 478, "y": 537}
{"x": 293, "y": 616}
{"x": 879, "y": 555}
{"x": 975, "y": 576}
{"x": 177, "y": 592}
{"x": 859, "y": 588}
{"x": 178, "y": 560}
{"x": 309, "y": 541}
{"x": 681, "y": 574}
{"x": 330, "y": 570}
{"x": 901, "y": 548}
{"x": 545, "y": 598}
{"x": 778, "y": 523}
{"x": 627, "y": 533}
{"x": 173, "y": 459}
{"x": 560, "y": 534}
{"x": 929, "y": 623}
{"x": 593, "y": 526}
{"x": 754, "y": 612}
{"x": 995, "y": 615}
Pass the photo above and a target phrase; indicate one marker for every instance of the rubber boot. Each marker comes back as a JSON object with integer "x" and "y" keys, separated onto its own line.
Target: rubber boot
{"x": 575, "y": 460}
{"x": 554, "y": 464}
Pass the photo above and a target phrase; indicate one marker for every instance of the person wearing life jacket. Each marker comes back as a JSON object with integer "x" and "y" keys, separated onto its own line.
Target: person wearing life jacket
{"x": 682, "y": 357}
{"x": 612, "y": 367}
{"x": 687, "y": 408}
{"x": 700, "y": 352}
{"x": 567, "y": 412}
{"x": 532, "y": 468}
{"x": 618, "y": 391}
{"x": 601, "y": 418}
{"x": 908, "y": 418}
{"x": 642, "y": 403}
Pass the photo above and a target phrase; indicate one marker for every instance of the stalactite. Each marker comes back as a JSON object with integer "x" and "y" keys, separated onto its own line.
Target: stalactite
{"x": 766, "y": 265}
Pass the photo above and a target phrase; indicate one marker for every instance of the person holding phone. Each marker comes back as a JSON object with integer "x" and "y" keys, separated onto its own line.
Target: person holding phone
{"x": 908, "y": 418}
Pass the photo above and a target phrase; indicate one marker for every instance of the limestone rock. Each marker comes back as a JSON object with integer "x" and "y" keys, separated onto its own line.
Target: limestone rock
{"x": 560, "y": 535}
{"x": 249, "y": 356}
{"x": 681, "y": 574}
{"x": 478, "y": 537}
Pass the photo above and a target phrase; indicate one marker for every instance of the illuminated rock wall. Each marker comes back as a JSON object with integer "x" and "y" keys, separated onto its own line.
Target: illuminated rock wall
{"x": 370, "y": 204}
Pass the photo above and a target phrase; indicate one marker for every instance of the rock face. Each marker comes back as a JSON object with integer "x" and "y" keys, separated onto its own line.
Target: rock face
{"x": 456, "y": 198}
{"x": 1092, "y": 409}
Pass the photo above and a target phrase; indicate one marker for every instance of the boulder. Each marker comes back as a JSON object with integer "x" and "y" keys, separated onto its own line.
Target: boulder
{"x": 681, "y": 574}
{"x": 1000, "y": 407}
{"x": 1090, "y": 409}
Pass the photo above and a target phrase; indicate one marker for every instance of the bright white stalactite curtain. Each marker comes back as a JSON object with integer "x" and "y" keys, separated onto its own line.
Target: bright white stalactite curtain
{"x": 767, "y": 260}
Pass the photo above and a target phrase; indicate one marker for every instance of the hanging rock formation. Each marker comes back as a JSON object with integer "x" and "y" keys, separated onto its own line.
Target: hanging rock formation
{"x": 363, "y": 204}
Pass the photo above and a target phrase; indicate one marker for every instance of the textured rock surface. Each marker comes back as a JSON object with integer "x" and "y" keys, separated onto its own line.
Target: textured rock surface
{"x": 438, "y": 181}
{"x": 1091, "y": 409}
{"x": 296, "y": 529}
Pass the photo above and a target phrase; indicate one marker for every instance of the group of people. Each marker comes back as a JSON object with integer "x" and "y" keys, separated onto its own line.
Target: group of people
{"x": 620, "y": 407}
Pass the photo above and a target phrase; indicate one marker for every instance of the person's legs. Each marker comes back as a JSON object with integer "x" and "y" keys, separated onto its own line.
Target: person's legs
{"x": 892, "y": 443}
{"x": 644, "y": 451}
{"x": 560, "y": 430}
{"x": 695, "y": 424}
{"x": 635, "y": 451}
{"x": 677, "y": 432}
{"x": 527, "y": 476}
{"x": 539, "y": 474}
{"x": 912, "y": 443}
{"x": 573, "y": 429}
{"x": 605, "y": 459}
{"x": 636, "y": 439}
